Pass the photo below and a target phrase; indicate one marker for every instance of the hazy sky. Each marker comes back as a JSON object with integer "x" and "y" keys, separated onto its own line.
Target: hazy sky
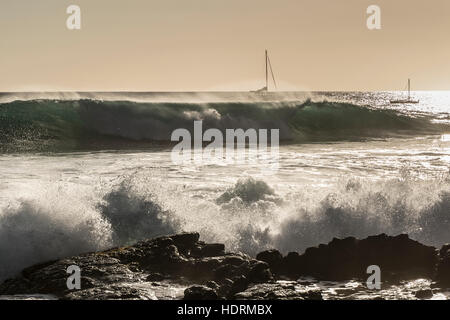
{"x": 186, "y": 45}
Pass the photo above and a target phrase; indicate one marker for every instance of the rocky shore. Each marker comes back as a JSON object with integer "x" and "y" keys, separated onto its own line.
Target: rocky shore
{"x": 183, "y": 267}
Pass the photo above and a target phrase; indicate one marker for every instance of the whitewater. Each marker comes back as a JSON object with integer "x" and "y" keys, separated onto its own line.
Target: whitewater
{"x": 81, "y": 172}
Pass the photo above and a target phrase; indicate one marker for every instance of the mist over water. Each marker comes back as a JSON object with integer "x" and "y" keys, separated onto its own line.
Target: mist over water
{"x": 351, "y": 167}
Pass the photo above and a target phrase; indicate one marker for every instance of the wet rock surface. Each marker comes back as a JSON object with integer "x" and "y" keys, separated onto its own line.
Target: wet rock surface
{"x": 279, "y": 291}
{"x": 443, "y": 267}
{"x": 200, "y": 293}
{"x": 424, "y": 293}
{"x": 399, "y": 258}
{"x": 182, "y": 266}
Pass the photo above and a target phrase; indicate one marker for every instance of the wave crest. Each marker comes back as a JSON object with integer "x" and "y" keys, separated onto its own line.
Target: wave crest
{"x": 75, "y": 124}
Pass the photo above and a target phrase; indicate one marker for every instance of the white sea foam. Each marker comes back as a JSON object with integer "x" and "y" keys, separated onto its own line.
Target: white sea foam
{"x": 249, "y": 216}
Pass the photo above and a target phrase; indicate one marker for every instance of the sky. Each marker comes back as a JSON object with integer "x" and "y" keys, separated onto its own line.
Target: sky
{"x": 213, "y": 45}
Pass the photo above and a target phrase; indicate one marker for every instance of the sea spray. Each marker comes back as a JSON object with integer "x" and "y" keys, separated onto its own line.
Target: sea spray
{"x": 250, "y": 216}
{"x": 52, "y": 223}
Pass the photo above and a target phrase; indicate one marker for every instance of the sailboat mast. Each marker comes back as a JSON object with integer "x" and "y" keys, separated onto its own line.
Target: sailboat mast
{"x": 409, "y": 89}
{"x": 267, "y": 74}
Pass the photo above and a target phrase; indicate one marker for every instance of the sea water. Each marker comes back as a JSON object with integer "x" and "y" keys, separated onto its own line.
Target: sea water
{"x": 83, "y": 172}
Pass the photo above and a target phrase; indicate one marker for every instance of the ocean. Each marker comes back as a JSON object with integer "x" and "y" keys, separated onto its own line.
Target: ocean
{"x": 81, "y": 172}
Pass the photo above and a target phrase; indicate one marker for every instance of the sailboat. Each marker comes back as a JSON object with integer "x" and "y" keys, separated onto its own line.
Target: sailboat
{"x": 409, "y": 100}
{"x": 265, "y": 89}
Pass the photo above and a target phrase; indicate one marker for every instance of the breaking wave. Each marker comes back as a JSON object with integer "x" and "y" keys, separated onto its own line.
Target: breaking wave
{"x": 249, "y": 216}
{"x": 71, "y": 124}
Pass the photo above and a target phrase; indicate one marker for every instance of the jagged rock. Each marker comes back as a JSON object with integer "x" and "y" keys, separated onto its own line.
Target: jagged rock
{"x": 236, "y": 260}
{"x": 129, "y": 291}
{"x": 259, "y": 273}
{"x": 149, "y": 268}
{"x": 424, "y": 294}
{"x": 51, "y": 278}
{"x": 443, "y": 267}
{"x": 279, "y": 291}
{"x": 272, "y": 257}
{"x": 239, "y": 284}
{"x": 155, "y": 277}
{"x": 170, "y": 257}
{"x": 291, "y": 265}
{"x": 398, "y": 258}
{"x": 200, "y": 293}
{"x": 213, "y": 285}
{"x": 185, "y": 240}
{"x": 231, "y": 266}
{"x": 208, "y": 250}
{"x": 444, "y": 250}
{"x": 224, "y": 287}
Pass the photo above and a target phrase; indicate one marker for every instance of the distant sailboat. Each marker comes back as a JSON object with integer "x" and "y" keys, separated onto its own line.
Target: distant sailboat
{"x": 268, "y": 66}
{"x": 409, "y": 100}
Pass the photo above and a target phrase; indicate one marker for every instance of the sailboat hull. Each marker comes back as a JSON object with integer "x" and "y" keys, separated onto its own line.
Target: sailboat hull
{"x": 262, "y": 90}
{"x": 406, "y": 101}
{"x": 403, "y": 101}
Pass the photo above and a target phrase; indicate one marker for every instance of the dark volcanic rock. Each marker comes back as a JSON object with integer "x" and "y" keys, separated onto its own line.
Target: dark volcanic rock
{"x": 279, "y": 291}
{"x": 149, "y": 269}
{"x": 398, "y": 258}
{"x": 180, "y": 258}
{"x": 443, "y": 267}
{"x": 155, "y": 277}
{"x": 259, "y": 272}
{"x": 200, "y": 293}
{"x": 208, "y": 250}
{"x": 424, "y": 294}
{"x": 51, "y": 278}
{"x": 272, "y": 257}
{"x": 185, "y": 241}
{"x": 213, "y": 285}
{"x": 239, "y": 284}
